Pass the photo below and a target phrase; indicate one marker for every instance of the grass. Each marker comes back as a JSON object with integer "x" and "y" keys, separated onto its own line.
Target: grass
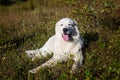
{"x": 28, "y": 25}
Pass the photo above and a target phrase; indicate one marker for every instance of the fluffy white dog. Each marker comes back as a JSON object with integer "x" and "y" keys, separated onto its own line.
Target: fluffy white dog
{"x": 67, "y": 43}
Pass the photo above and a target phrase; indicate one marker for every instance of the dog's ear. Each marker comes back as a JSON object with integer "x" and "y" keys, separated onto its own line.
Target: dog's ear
{"x": 58, "y": 23}
{"x": 74, "y": 22}
{"x": 57, "y": 27}
{"x": 76, "y": 33}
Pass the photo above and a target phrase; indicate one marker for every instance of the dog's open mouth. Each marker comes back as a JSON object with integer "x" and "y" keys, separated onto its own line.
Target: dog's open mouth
{"x": 66, "y": 37}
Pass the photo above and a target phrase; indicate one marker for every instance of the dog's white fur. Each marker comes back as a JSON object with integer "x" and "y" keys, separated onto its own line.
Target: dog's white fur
{"x": 61, "y": 49}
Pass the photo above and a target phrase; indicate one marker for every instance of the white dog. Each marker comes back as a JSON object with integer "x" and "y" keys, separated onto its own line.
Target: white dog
{"x": 67, "y": 41}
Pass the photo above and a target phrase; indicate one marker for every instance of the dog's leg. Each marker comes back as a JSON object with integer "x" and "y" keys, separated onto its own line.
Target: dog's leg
{"x": 44, "y": 51}
{"x": 50, "y": 63}
{"x": 78, "y": 61}
{"x": 34, "y": 54}
{"x": 38, "y": 53}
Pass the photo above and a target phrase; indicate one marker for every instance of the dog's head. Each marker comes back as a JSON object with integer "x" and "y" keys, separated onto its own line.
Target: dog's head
{"x": 67, "y": 29}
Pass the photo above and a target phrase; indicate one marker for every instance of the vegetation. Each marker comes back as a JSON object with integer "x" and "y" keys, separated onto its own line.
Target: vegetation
{"x": 27, "y": 24}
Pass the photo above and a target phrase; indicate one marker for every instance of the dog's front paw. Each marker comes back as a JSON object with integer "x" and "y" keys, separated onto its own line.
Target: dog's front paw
{"x": 33, "y": 71}
{"x": 75, "y": 68}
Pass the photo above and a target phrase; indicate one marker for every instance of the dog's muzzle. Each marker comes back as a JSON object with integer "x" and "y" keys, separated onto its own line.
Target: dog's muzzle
{"x": 66, "y": 34}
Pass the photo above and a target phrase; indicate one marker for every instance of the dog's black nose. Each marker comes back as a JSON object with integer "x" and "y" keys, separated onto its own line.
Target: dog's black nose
{"x": 65, "y": 29}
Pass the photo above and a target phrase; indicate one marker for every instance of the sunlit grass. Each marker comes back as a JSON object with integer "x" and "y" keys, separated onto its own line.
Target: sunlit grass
{"x": 28, "y": 25}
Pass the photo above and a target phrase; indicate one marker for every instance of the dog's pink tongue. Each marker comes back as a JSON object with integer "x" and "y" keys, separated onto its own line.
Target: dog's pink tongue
{"x": 66, "y": 37}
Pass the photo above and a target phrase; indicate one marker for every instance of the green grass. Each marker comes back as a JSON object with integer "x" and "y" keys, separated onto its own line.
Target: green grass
{"x": 28, "y": 25}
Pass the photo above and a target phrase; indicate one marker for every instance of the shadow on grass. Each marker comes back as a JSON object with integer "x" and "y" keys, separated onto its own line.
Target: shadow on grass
{"x": 89, "y": 37}
{"x": 10, "y": 2}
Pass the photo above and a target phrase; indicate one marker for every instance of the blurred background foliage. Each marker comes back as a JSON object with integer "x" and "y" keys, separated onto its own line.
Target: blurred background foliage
{"x": 27, "y": 24}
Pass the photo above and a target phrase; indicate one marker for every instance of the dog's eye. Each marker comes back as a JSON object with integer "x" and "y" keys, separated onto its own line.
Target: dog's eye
{"x": 61, "y": 24}
{"x": 69, "y": 24}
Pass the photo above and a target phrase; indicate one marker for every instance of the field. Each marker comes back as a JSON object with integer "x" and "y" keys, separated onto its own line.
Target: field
{"x": 27, "y": 24}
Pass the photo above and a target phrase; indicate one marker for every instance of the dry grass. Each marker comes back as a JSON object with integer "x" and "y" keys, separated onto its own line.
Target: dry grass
{"x": 28, "y": 25}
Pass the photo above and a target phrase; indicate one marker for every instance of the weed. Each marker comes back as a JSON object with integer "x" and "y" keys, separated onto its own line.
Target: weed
{"x": 29, "y": 24}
